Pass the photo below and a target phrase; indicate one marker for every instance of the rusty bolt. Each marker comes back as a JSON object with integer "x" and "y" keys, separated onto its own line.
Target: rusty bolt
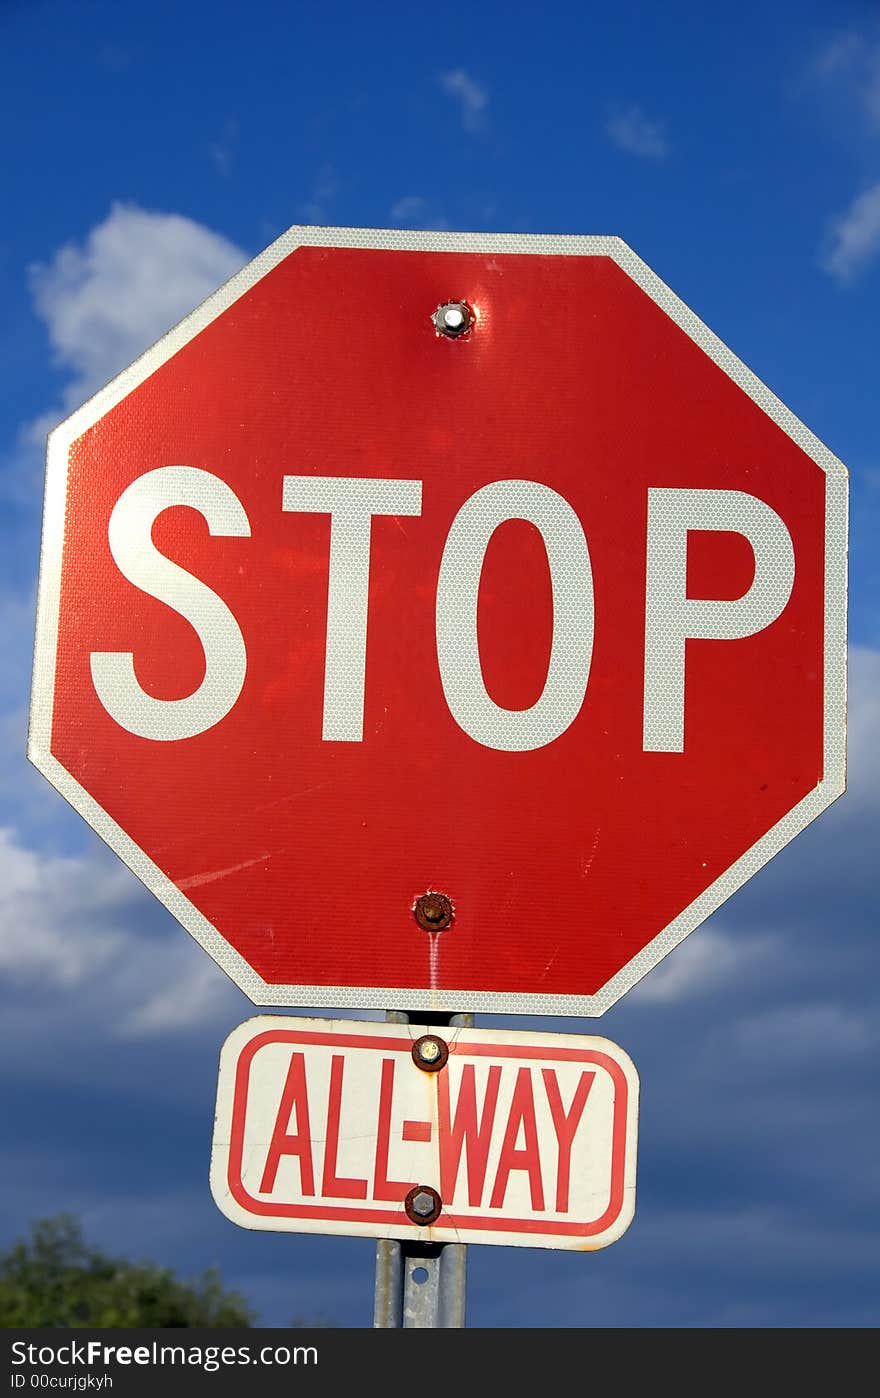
{"x": 430, "y": 1053}
{"x": 453, "y": 319}
{"x": 423, "y": 1204}
{"x": 433, "y": 911}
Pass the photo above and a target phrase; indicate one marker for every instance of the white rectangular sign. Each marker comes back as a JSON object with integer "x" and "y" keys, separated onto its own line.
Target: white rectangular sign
{"x": 436, "y": 1135}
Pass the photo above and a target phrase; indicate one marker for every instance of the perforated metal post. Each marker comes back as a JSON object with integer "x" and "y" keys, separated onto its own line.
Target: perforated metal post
{"x": 421, "y": 1285}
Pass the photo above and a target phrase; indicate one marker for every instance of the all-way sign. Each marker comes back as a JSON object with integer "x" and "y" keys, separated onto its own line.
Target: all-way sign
{"x": 409, "y": 1132}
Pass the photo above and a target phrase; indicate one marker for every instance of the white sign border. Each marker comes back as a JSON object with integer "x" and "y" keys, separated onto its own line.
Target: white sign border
{"x": 48, "y": 601}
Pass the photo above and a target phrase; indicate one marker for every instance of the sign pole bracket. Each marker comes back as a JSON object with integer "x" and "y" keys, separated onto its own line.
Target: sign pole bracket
{"x": 421, "y": 1286}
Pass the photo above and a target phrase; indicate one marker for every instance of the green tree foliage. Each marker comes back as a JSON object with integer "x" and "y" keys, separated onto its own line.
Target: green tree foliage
{"x": 55, "y": 1278}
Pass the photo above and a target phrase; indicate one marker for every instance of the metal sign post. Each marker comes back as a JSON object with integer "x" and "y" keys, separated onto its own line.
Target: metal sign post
{"x": 421, "y": 1286}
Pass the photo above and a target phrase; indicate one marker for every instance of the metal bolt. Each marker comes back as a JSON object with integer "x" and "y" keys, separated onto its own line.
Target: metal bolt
{"x": 423, "y": 1204}
{"x": 453, "y": 318}
{"x": 430, "y": 1053}
{"x": 433, "y": 911}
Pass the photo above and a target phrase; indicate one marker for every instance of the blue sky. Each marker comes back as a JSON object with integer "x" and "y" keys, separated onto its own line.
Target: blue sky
{"x": 148, "y": 151}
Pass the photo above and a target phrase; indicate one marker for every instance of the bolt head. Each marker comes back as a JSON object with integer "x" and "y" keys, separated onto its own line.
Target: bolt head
{"x": 423, "y": 1203}
{"x": 453, "y": 319}
{"x": 429, "y": 1050}
{"x": 430, "y": 1053}
{"x": 433, "y": 911}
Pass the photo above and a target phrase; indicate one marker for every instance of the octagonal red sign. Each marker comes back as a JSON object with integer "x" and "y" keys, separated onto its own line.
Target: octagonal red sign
{"x": 538, "y": 605}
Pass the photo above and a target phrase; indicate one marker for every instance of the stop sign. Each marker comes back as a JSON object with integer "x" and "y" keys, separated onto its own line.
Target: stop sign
{"x": 441, "y": 621}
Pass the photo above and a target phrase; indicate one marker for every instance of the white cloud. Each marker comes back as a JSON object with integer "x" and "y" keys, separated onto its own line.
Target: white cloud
{"x": 707, "y": 960}
{"x": 51, "y": 916}
{"x": 767, "y": 1236}
{"x": 135, "y": 275}
{"x": 838, "y": 55}
{"x": 407, "y": 209}
{"x": 198, "y": 996}
{"x": 472, "y": 99}
{"x": 632, "y": 131}
{"x": 863, "y": 727}
{"x": 855, "y": 237}
{"x": 414, "y": 211}
{"x": 17, "y": 631}
{"x": 847, "y": 69}
{"x": 850, "y": 60}
{"x": 324, "y": 191}
{"x": 223, "y": 151}
{"x": 803, "y": 1034}
{"x": 66, "y": 926}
